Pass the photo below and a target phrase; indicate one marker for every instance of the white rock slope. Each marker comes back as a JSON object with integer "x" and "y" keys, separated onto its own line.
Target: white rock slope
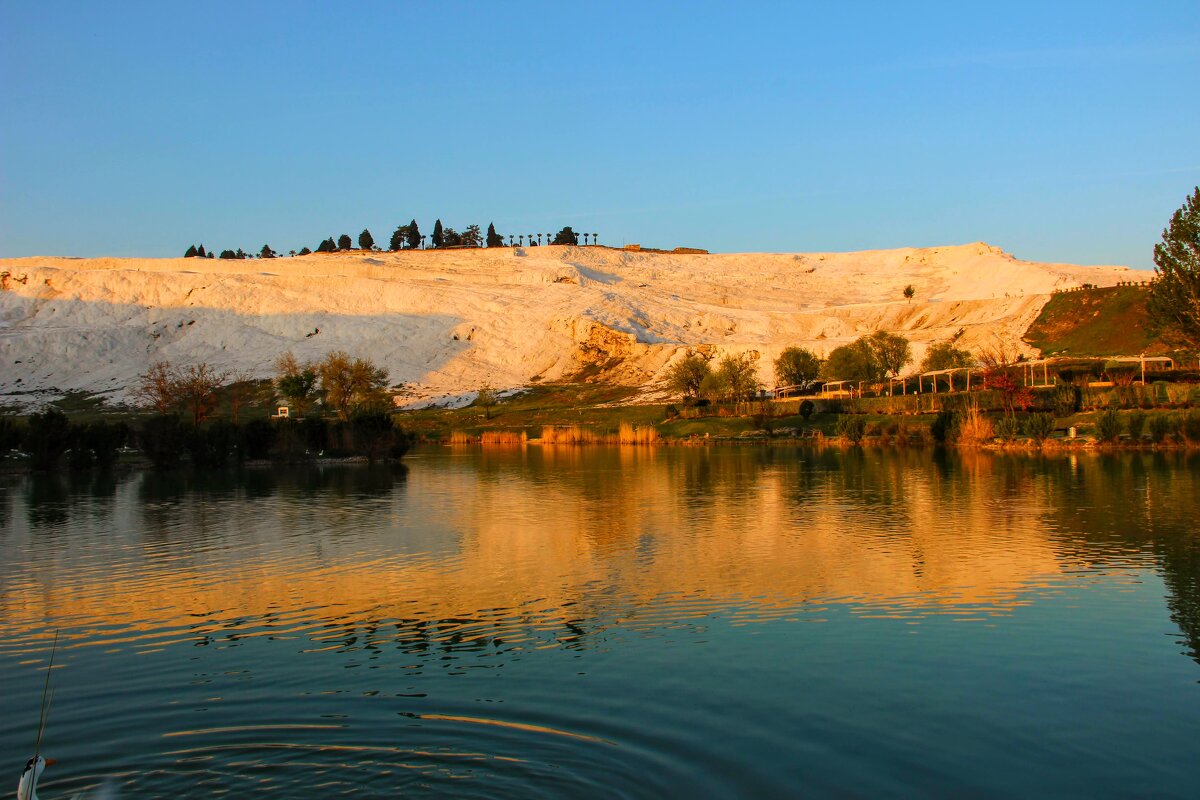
{"x": 445, "y": 322}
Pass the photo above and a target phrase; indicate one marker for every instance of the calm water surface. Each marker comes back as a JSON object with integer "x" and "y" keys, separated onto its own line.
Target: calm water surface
{"x": 628, "y": 622}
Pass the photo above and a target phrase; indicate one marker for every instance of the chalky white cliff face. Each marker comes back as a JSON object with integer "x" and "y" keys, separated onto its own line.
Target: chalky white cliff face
{"x": 444, "y": 323}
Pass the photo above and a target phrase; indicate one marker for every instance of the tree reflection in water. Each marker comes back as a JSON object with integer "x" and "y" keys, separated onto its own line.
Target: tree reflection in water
{"x": 477, "y": 549}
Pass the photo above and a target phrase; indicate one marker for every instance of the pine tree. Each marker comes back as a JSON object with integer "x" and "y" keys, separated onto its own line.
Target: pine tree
{"x": 228, "y": 254}
{"x": 344, "y": 243}
{"x": 326, "y": 246}
{"x": 190, "y": 252}
{"x": 414, "y": 235}
{"x": 241, "y": 253}
{"x": 366, "y": 241}
{"x": 494, "y": 239}
{"x": 266, "y": 252}
{"x": 1175, "y": 294}
{"x": 566, "y": 236}
{"x": 471, "y": 237}
{"x": 200, "y": 252}
{"x": 438, "y": 236}
{"x": 399, "y": 237}
{"x": 304, "y": 251}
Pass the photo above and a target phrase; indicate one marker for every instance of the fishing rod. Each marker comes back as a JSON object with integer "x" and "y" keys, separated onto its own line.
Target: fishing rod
{"x": 46, "y": 697}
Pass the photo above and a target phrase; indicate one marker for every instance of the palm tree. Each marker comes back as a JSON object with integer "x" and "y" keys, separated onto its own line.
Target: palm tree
{"x": 594, "y": 241}
{"x": 539, "y": 240}
{"x": 422, "y": 241}
{"x": 510, "y": 240}
{"x": 521, "y": 240}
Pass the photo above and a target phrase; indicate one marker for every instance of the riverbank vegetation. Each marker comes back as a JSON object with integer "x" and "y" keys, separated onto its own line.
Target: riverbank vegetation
{"x": 1164, "y": 415}
{"x": 194, "y": 414}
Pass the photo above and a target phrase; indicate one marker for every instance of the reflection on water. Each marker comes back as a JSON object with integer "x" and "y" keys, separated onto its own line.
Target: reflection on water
{"x": 566, "y": 621}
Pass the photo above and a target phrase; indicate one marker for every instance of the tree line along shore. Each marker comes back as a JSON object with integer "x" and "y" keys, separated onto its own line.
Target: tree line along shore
{"x": 339, "y": 409}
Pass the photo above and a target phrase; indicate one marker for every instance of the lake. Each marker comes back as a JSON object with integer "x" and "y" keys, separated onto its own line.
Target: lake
{"x": 612, "y": 622}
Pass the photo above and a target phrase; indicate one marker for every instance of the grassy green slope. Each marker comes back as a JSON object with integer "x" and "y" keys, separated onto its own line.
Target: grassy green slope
{"x": 1096, "y": 322}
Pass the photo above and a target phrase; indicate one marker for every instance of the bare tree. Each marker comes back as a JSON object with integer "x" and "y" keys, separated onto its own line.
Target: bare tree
{"x": 998, "y": 355}
{"x": 197, "y": 386}
{"x": 156, "y": 388}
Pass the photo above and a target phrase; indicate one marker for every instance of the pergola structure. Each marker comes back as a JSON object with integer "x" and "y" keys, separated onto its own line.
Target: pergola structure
{"x": 1029, "y": 372}
{"x": 933, "y": 375}
{"x": 780, "y": 392}
{"x": 828, "y": 391}
{"x": 1142, "y": 359}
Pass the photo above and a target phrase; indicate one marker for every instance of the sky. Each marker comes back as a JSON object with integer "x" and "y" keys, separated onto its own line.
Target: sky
{"x": 1058, "y": 131}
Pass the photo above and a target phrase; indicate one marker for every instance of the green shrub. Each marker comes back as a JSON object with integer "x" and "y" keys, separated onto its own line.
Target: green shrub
{"x": 1191, "y": 426}
{"x": 806, "y": 409}
{"x": 47, "y": 438}
{"x": 852, "y": 428}
{"x": 1161, "y": 426}
{"x": 944, "y": 428}
{"x": 1137, "y": 424}
{"x": 212, "y": 445}
{"x": 763, "y": 419}
{"x": 1161, "y": 392}
{"x": 1108, "y": 425}
{"x": 95, "y": 444}
{"x": 1007, "y": 428}
{"x": 314, "y": 431}
{"x": 162, "y": 440}
{"x": 12, "y": 433}
{"x": 1066, "y": 399}
{"x": 256, "y": 438}
{"x": 376, "y": 436}
{"x": 1039, "y": 426}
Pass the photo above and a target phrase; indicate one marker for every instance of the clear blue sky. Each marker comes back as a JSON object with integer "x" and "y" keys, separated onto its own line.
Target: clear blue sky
{"x": 1058, "y": 131}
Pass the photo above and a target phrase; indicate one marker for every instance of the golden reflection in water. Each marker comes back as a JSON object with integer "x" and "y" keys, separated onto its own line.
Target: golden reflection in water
{"x": 545, "y": 536}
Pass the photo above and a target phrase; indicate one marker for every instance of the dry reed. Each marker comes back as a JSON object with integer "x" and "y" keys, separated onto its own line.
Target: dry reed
{"x": 975, "y": 427}
{"x": 504, "y": 437}
{"x": 576, "y": 434}
{"x": 489, "y": 437}
{"x": 629, "y": 434}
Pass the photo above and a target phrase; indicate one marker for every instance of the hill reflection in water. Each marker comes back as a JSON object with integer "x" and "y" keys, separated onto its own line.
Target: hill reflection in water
{"x": 606, "y": 622}
{"x": 553, "y": 542}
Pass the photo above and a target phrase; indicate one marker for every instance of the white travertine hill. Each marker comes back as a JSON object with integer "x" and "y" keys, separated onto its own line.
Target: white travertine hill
{"x": 445, "y": 322}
